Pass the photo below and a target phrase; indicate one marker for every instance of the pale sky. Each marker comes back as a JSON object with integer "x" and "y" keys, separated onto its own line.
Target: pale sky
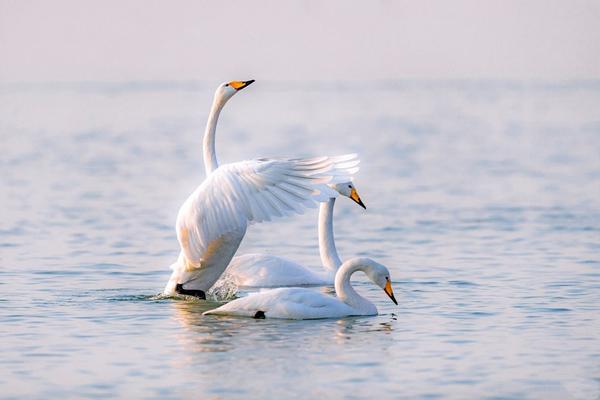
{"x": 63, "y": 40}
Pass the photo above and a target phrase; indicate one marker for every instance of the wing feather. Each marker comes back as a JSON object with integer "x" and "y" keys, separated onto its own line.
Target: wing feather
{"x": 255, "y": 191}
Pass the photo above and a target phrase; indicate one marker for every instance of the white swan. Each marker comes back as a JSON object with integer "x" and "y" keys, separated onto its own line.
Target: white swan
{"x": 303, "y": 303}
{"x": 265, "y": 270}
{"x": 212, "y": 222}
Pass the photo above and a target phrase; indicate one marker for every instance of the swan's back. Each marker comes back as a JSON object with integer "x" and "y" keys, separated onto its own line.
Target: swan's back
{"x": 286, "y": 303}
{"x": 264, "y": 270}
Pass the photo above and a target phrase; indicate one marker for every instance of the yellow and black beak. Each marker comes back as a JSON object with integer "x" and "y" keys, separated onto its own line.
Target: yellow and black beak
{"x": 354, "y": 196}
{"x": 388, "y": 290}
{"x": 239, "y": 85}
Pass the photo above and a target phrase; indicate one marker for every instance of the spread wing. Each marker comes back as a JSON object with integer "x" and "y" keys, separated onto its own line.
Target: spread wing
{"x": 255, "y": 191}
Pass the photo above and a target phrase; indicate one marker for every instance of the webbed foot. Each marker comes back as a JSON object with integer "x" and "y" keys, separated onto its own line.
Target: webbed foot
{"x": 190, "y": 292}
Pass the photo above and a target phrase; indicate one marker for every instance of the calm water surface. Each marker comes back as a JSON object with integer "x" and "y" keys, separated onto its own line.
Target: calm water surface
{"x": 483, "y": 200}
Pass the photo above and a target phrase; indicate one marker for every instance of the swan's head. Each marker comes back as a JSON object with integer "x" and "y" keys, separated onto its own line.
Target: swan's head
{"x": 380, "y": 275}
{"x": 347, "y": 189}
{"x": 226, "y": 90}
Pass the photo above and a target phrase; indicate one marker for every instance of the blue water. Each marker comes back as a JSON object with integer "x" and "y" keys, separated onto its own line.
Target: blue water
{"x": 483, "y": 199}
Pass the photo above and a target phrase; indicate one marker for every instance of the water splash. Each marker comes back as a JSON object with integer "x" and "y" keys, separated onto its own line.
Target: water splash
{"x": 225, "y": 289}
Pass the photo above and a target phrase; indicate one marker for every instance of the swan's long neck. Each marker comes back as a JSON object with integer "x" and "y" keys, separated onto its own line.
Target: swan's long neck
{"x": 346, "y": 292}
{"x": 329, "y": 256}
{"x": 208, "y": 144}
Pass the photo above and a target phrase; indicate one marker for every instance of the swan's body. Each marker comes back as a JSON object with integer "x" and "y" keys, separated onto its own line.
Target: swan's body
{"x": 265, "y": 270}
{"x": 212, "y": 222}
{"x": 303, "y": 303}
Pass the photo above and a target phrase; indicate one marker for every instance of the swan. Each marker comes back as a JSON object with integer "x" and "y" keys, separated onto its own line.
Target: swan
{"x": 304, "y": 303}
{"x": 265, "y": 270}
{"x": 213, "y": 220}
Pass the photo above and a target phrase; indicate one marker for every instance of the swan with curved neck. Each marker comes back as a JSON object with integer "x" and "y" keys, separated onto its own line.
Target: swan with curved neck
{"x": 213, "y": 220}
{"x": 265, "y": 270}
{"x": 303, "y": 303}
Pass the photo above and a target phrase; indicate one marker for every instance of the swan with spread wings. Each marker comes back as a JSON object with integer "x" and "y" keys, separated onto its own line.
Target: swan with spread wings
{"x": 213, "y": 220}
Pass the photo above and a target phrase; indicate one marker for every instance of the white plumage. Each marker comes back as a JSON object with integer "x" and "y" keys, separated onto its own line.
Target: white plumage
{"x": 267, "y": 270}
{"x": 213, "y": 220}
{"x": 303, "y": 303}
{"x": 253, "y": 191}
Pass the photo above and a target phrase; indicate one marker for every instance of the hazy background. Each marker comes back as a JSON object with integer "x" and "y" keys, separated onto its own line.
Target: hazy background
{"x": 300, "y": 40}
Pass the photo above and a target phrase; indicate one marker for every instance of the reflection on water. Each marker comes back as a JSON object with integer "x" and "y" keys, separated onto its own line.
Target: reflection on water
{"x": 198, "y": 336}
{"x": 483, "y": 201}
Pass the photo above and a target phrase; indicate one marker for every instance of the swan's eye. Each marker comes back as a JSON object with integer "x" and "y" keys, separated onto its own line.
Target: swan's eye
{"x": 350, "y": 186}
{"x": 387, "y": 278}
{"x": 227, "y": 84}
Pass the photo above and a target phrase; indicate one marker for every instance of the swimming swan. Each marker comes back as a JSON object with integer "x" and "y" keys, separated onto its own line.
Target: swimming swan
{"x": 265, "y": 270}
{"x": 212, "y": 222}
{"x": 303, "y": 303}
